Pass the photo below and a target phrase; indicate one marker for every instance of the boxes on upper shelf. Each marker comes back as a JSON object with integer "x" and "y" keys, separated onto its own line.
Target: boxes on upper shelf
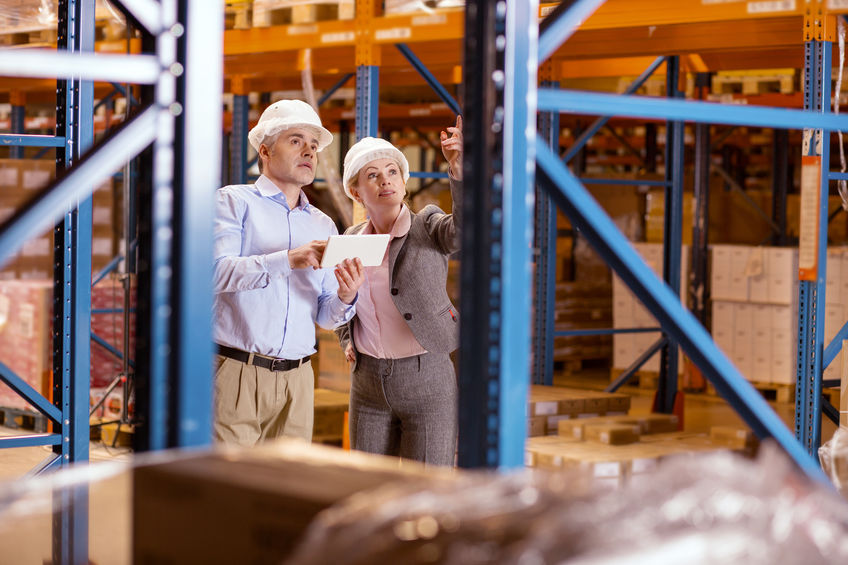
{"x": 743, "y": 273}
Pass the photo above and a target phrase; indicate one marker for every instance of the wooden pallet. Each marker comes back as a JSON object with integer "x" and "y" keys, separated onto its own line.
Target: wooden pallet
{"x": 616, "y": 465}
{"x": 19, "y": 419}
{"x": 773, "y": 392}
{"x": 642, "y": 379}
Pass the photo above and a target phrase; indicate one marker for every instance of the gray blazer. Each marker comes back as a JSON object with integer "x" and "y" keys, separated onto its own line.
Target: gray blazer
{"x": 418, "y": 272}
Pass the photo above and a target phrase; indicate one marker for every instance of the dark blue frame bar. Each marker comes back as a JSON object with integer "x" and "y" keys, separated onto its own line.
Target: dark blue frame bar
{"x": 34, "y": 440}
{"x": 428, "y": 77}
{"x": 545, "y": 274}
{"x": 637, "y": 364}
{"x": 624, "y": 182}
{"x": 662, "y": 302}
{"x": 238, "y": 140}
{"x": 607, "y": 331}
{"x": 811, "y": 294}
{"x": 332, "y": 90}
{"x": 594, "y": 103}
{"x": 581, "y": 141}
{"x": 26, "y": 140}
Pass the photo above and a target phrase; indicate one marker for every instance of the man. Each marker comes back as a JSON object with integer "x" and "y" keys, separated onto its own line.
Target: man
{"x": 269, "y": 290}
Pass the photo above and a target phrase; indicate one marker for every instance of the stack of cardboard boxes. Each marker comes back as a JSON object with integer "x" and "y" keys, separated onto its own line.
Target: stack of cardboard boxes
{"x": 629, "y": 312}
{"x": 755, "y": 308}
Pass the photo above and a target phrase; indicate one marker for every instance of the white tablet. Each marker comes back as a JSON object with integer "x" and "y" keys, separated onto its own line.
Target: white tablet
{"x": 369, "y": 248}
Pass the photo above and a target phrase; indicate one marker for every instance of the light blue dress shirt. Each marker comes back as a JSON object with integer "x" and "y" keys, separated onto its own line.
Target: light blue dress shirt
{"x": 261, "y": 304}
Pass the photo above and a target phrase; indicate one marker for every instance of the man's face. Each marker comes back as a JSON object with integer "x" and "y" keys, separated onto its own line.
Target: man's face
{"x": 292, "y": 158}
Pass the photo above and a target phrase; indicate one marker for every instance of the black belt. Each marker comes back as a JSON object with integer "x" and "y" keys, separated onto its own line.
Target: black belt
{"x": 260, "y": 360}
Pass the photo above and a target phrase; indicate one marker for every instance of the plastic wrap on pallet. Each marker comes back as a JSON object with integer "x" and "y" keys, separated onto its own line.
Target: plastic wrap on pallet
{"x": 834, "y": 459}
{"x": 718, "y": 508}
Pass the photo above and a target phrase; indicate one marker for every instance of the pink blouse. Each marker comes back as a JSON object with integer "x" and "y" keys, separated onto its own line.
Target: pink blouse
{"x": 381, "y": 330}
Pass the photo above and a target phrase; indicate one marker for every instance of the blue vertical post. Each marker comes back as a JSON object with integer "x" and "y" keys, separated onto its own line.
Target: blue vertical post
{"x": 195, "y": 180}
{"x": 811, "y": 294}
{"x": 367, "y": 100}
{"x": 482, "y": 251}
{"x": 546, "y": 238}
{"x": 72, "y": 290}
{"x": 18, "y": 115}
{"x": 672, "y": 242}
{"x": 520, "y": 65}
{"x": 699, "y": 290}
{"x": 238, "y": 140}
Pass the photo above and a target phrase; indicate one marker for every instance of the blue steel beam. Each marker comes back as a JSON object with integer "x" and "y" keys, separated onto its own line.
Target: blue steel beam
{"x": 196, "y": 179}
{"x": 834, "y": 347}
{"x": 594, "y": 103}
{"x": 110, "y": 266}
{"x": 367, "y": 100}
{"x": 624, "y": 182}
{"x": 34, "y": 440}
{"x": 428, "y": 77}
{"x": 37, "y": 63}
{"x": 811, "y": 294}
{"x": 585, "y": 213}
{"x": 601, "y": 122}
{"x": 32, "y": 396}
{"x": 421, "y": 175}
{"x": 837, "y": 176}
{"x": 145, "y": 13}
{"x": 50, "y": 463}
{"x": 830, "y": 410}
{"x": 562, "y": 22}
{"x": 108, "y": 347}
{"x": 14, "y": 140}
{"x": 544, "y": 310}
{"x": 480, "y": 267}
{"x": 238, "y": 140}
{"x": 332, "y": 90}
{"x": 607, "y": 331}
{"x": 673, "y": 233}
{"x": 519, "y": 155}
{"x": 123, "y": 92}
{"x": 52, "y": 202}
{"x": 636, "y": 365}
{"x": 18, "y": 123}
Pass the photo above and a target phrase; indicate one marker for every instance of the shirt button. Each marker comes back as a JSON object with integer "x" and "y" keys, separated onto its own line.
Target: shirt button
{"x": 394, "y": 291}
{"x": 407, "y": 316}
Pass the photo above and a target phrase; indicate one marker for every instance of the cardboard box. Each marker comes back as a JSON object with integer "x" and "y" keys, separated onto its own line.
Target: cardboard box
{"x": 252, "y": 505}
{"x": 783, "y": 275}
{"x": 26, "y": 337}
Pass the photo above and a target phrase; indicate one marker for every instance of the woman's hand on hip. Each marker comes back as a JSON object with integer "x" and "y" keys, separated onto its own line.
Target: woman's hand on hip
{"x": 350, "y": 353}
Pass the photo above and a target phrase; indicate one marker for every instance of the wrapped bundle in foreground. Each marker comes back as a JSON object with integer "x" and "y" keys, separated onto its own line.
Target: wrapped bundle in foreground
{"x": 717, "y": 508}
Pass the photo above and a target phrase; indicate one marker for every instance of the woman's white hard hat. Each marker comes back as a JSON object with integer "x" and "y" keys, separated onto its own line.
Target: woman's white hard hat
{"x": 370, "y": 149}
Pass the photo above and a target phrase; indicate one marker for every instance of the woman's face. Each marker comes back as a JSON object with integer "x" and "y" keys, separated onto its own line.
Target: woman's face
{"x": 380, "y": 184}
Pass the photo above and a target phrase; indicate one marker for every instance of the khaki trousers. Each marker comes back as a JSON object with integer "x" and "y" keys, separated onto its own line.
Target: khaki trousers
{"x": 253, "y": 404}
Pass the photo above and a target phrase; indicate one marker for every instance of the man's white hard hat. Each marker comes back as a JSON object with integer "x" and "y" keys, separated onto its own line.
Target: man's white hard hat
{"x": 369, "y": 149}
{"x": 285, "y": 114}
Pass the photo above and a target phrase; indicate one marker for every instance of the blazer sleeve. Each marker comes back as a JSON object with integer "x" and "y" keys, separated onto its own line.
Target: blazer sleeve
{"x": 445, "y": 229}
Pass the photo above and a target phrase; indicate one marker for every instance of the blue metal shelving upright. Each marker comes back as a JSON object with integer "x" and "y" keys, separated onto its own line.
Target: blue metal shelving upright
{"x": 584, "y": 213}
{"x": 179, "y": 121}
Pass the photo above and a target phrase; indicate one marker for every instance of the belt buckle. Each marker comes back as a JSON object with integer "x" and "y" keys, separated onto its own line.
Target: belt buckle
{"x": 277, "y": 364}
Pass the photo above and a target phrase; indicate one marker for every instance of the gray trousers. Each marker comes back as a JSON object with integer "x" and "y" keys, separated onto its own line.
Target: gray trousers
{"x": 405, "y": 407}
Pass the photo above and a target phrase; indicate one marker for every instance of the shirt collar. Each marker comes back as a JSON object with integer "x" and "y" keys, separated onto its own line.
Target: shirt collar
{"x": 399, "y": 228}
{"x": 267, "y": 188}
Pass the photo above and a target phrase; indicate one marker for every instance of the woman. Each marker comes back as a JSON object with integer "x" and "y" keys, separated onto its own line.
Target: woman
{"x": 403, "y": 398}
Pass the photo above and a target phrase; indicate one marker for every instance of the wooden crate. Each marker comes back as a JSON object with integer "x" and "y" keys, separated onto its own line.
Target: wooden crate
{"x": 284, "y": 12}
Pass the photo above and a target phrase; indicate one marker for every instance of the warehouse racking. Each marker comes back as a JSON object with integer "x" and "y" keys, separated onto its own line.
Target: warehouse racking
{"x": 500, "y": 112}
